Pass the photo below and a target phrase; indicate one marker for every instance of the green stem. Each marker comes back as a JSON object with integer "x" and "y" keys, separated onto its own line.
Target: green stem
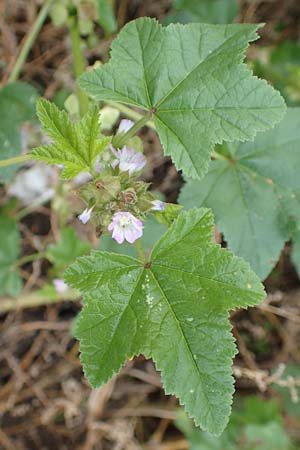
{"x": 15, "y": 160}
{"x": 29, "y": 41}
{"x": 217, "y": 155}
{"x": 140, "y": 251}
{"x": 33, "y": 206}
{"x": 35, "y": 299}
{"x": 78, "y": 61}
{"x": 130, "y": 113}
{"x": 29, "y": 258}
{"x": 120, "y": 139}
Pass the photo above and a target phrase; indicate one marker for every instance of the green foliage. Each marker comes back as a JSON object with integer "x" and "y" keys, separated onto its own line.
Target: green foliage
{"x": 254, "y": 425}
{"x": 168, "y": 215}
{"x": 75, "y": 145}
{"x": 10, "y": 280}
{"x": 208, "y": 11}
{"x": 59, "y": 13}
{"x": 295, "y": 254}
{"x": 17, "y": 105}
{"x": 192, "y": 78}
{"x": 254, "y": 192}
{"x": 292, "y": 371}
{"x": 282, "y": 69}
{"x": 64, "y": 252}
{"x": 106, "y": 16}
{"x": 173, "y": 309}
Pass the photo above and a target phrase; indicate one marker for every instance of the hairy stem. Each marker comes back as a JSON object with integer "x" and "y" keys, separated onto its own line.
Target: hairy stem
{"x": 139, "y": 250}
{"x": 29, "y": 258}
{"x": 29, "y": 41}
{"x": 219, "y": 156}
{"x": 120, "y": 139}
{"x": 15, "y": 160}
{"x": 130, "y": 113}
{"x": 35, "y": 299}
{"x": 78, "y": 61}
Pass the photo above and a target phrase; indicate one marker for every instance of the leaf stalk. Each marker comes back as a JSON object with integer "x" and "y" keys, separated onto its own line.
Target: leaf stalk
{"x": 15, "y": 160}
{"x": 120, "y": 139}
{"x": 29, "y": 41}
{"x": 140, "y": 251}
{"x": 78, "y": 62}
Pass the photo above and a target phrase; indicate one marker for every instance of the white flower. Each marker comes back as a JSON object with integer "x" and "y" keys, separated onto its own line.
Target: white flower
{"x": 128, "y": 160}
{"x": 125, "y": 226}
{"x": 125, "y": 126}
{"x": 60, "y": 285}
{"x": 85, "y": 216}
{"x": 158, "y": 205}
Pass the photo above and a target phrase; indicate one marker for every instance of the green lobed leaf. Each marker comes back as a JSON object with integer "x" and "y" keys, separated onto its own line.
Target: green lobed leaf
{"x": 75, "y": 145}
{"x": 208, "y": 11}
{"x": 191, "y": 77}
{"x": 254, "y": 193}
{"x": 173, "y": 309}
{"x": 67, "y": 249}
{"x": 17, "y": 105}
{"x": 10, "y": 280}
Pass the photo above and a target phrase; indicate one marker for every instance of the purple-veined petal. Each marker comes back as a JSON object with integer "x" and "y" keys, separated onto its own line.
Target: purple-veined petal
{"x": 128, "y": 160}
{"x": 125, "y": 226}
{"x": 118, "y": 234}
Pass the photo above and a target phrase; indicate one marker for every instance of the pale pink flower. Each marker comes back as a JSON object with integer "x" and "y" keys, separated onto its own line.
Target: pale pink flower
{"x": 128, "y": 160}
{"x": 60, "y": 285}
{"x": 85, "y": 216}
{"x": 125, "y": 226}
{"x": 125, "y": 126}
{"x": 158, "y": 205}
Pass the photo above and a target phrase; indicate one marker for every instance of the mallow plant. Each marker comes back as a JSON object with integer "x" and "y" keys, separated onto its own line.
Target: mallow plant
{"x": 173, "y": 304}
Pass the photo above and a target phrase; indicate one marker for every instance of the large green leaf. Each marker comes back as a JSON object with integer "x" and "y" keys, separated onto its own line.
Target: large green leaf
{"x": 173, "y": 309}
{"x": 192, "y": 78}
{"x": 75, "y": 145}
{"x": 255, "y": 193}
{"x": 208, "y": 11}
{"x": 10, "y": 280}
{"x": 17, "y": 105}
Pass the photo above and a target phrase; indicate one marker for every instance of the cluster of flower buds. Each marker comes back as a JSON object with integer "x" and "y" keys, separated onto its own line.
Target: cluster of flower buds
{"x": 117, "y": 202}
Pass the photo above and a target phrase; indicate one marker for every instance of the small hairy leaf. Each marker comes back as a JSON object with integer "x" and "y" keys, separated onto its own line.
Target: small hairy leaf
{"x": 67, "y": 249}
{"x": 254, "y": 193}
{"x": 10, "y": 280}
{"x": 173, "y": 309}
{"x": 191, "y": 77}
{"x": 75, "y": 145}
{"x": 17, "y": 105}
